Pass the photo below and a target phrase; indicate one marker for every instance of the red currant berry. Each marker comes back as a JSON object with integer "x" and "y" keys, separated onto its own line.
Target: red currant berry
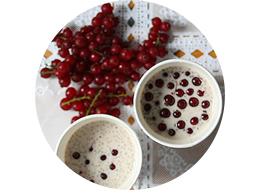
{"x": 65, "y": 81}
{"x": 99, "y": 79}
{"x": 193, "y": 102}
{"x": 80, "y": 42}
{"x": 115, "y": 112}
{"x": 71, "y": 92}
{"x": 182, "y": 104}
{"x": 67, "y": 33}
{"x": 156, "y": 21}
{"x": 63, "y": 67}
{"x": 87, "y": 78}
{"x": 46, "y": 72}
{"x": 75, "y": 118}
{"x": 63, "y": 52}
{"x": 165, "y": 26}
{"x": 95, "y": 69}
{"x": 120, "y": 79}
{"x": 109, "y": 77}
{"x": 127, "y": 100}
{"x": 135, "y": 76}
{"x": 181, "y": 124}
{"x": 205, "y": 104}
{"x": 77, "y": 106}
{"x": 107, "y": 9}
{"x": 162, "y": 127}
{"x": 115, "y": 49}
{"x": 84, "y": 53}
{"x": 143, "y": 57}
{"x": 114, "y": 61}
{"x": 164, "y": 38}
{"x": 96, "y": 22}
{"x": 94, "y": 57}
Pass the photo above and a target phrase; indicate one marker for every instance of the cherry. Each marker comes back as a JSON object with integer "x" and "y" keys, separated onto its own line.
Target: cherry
{"x": 193, "y": 102}
{"x": 127, "y": 100}
{"x": 179, "y": 92}
{"x": 114, "y": 152}
{"x": 66, "y": 106}
{"x": 100, "y": 39}
{"x": 80, "y": 42}
{"x": 103, "y": 176}
{"x": 120, "y": 79}
{"x": 96, "y": 21}
{"x": 156, "y": 21}
{"x": 165, "y": 26}
{"x": 165, "y": 113}
{"x": 181, "y": 124}
{"x": 46, "y": 72}
{"x": 154, "y": 30}
{"x": 159, "y": 83}
{"x": 77, "y": 106}
{"x": 196, "y": 81}
{"x": 184, "y": 82}
{"x": 112, "y": 166}
{"x": 182, "y": 104}
{"x": 63, "y": 52}
{"x": 111, "y": 87}
{"x": 187, "y": 73}
{"x": 164, "y": 38}
{"x": 147, "y": 107}
{"x": 75, "y": 118}
{"x": 135, "y": 76}
{"x": 66, "y": 44}
{"x": 76, "y": 155}
{"x": 190, "y": 91}
{"x": 169, "y": 100}
{"x": 99, "y": 79}
{"x": 153, "y": 51}
{"x": 87, "y": 78}
{"x": 177, "y": 114}
{"x": 67, "y": 33}
{"x": 95, "y": 69}
{"x": 63, "y": 67}
{"x": 115, "y": 112}
{"x": 80, "y": 66}
{"x": 189, "y": 131}
{"x": 200, "y": 93}
{"x": 205, "y": 104}
{"x": 120, "y": 90}
{"x": 103, "y": 157}
{"x": 176, "y": 75}
{"x": 126, "y": 54}
{"x": 71, "y": 92}
{"x": 194, "y": 121}
{"x": 84, "y": 53}
{"x": 108, "y": 22}
{"x": 143, "y": 57}
{"x": 162, "y": 127}
{"x": 113, "y": 101}
{"x": 76, "y": 77}
{"x": 94, "y": 57}
{"x": 115, "y": 49}
{"x": 205, "y": 116}
{"x": 65, "y": 81}
{"x": 148, "y": 96}
{"x": 170, "y": 85}
{"x": 171, "y": 132}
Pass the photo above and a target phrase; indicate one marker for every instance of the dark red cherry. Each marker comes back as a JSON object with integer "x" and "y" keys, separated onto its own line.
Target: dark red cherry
{"x": 200, "y": 93}
{"x": 103, "y": 157}
{"x": 177, "y": 114}
{"x": 165, "y": 113}
{"x": 179, "y": 92}
{"x": 190, "y": 91}
{"x": 196, "y": 81}
{"x": 194, "y": 121}
{"x": 103, "y": 176}
{"x": 162, "y": 126}
{"x": 184, "y": 83}
{"x": 150, "y": 86}
{"x": 205, "y": 116}
{"x": 193, "y": 102}
{"x": 147, "y": 107}
{"x": 181, "y": 124}
{"x": 205, "y": 104}
{"x": 171, "y": 132}
{"x": 187, "y": 73}
{"x": 189, "y": 131}
{"x": 170, "y": 85}
{"x": 182, "y": 104}
{"x": 112, "y": 166}
{"x": 76, "y": 155}
{"x": 159, "y": 83}
{"x": 176, "y": 75}
{"x": 169, "y": 100}
{"x": 114, "y": 152}
{"x": 148, "y": 96}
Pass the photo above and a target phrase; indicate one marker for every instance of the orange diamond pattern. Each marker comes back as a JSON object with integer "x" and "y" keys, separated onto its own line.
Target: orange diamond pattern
{"x": 47, "y": 53}
{"x": 131, "y": 5}
{"x": 197, "y": 53}
{"x": 131, "y": 85}
{"x": 131, "y": 38}
{"x": 131, "y": 120}
{"x": 179, "y": 53}
{"x": 213, "y": 54}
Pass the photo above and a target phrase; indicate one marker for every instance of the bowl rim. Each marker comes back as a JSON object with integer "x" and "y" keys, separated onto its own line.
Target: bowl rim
{"x": 132, "y": 133}
{"x": 147, "y": 75}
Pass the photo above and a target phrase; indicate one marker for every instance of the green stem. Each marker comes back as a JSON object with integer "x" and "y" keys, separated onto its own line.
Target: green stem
{"x": 62, "y": 37}
{"x": 93, "y": 101}
{"x": 119, "y": 95}
{"x": 47, "y": 72}
{"x": 75, "y": 99}
{"x": 99, "y": 53}
{"x": 157, "y": 40}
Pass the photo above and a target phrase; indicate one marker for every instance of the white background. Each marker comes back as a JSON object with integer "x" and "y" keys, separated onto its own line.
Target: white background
{"x": 27, "y": 161}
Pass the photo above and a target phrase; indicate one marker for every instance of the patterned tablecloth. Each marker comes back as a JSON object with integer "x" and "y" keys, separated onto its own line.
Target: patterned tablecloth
{"x": 160, "y": 164}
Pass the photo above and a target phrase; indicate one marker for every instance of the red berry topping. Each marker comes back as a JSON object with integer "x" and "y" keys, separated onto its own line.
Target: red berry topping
{"x": 165, "y": 113}
{"x": 193, "y": 102}
{"x": 156, "y": 22}
{"x": 205, "y": 104}
{"x": 162, "y": 127}
{"x": 103, "y": 176}
{"x": 171, "y": 132}
{"x": 196, "y": 81}
{"x": 177, "y": 114}
{"x": 176, "y": 75}
{"x": 187, "y": 73}
{"x": 179, "y": 92}
{"x": 190, "y": 91}
{"x": 184, "y": 83}
{"x": 194, "y": 121}
{"x": 169, "y": 100}
{"x": 205, "y": 116}
{"x": 165, "y": 26}
{"x": 159, "y": 83}
{"x": 112, "y": 166}
{"x": 189, "y": 131}
{"x": 103, "y": 157}
{"x": 200, "y": 93}
{"x": 148, "y": 96}
{"x": 170, "y": 85}
{"x": 107, "y": 9}
{"x": 181, "y": 124}
{"x": 182, "y": 104}
{"x": 76, "y": 155}
{"x": 114, "y": 152}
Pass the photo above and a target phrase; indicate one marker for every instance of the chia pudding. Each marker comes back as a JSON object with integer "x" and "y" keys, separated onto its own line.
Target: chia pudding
{"x": 101, "y": 152}
{"x": 177, "y": 102}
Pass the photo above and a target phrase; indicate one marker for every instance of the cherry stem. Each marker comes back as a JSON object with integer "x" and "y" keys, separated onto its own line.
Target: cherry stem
{"x": 93, "y": 101}
{"x": 76, "y": 99}
{"x": 119, "y": 95}
{"x": 157, "y": 41}
{"x": 62, "y": 37}
{"x": 47, "y": 72}
{"x": 99, "y": 53}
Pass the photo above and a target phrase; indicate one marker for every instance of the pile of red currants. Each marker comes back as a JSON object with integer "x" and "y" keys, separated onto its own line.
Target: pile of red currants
{"x": 94, "y": 55}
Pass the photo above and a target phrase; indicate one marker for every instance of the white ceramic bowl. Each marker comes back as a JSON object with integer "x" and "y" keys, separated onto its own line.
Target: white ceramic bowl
{"x": 61, "y": 146}
{"x": 217, "y": 105}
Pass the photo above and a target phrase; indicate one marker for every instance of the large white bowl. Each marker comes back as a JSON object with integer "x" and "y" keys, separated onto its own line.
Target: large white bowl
{"x": 61, "y": 146}
{"x": 217, "y": 105}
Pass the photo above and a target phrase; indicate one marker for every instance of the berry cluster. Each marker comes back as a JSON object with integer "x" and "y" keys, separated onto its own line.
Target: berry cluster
{"x": 94, "y": 55}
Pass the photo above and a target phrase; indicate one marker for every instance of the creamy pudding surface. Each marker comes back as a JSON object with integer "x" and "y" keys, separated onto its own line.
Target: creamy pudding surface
{"x": 177, "y": 102}
{"x": 102, "y": 152}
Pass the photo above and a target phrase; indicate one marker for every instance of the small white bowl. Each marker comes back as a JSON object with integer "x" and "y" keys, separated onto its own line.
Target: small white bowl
{"x": 61, "y": 146}
{"x": 193, "y": 140}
